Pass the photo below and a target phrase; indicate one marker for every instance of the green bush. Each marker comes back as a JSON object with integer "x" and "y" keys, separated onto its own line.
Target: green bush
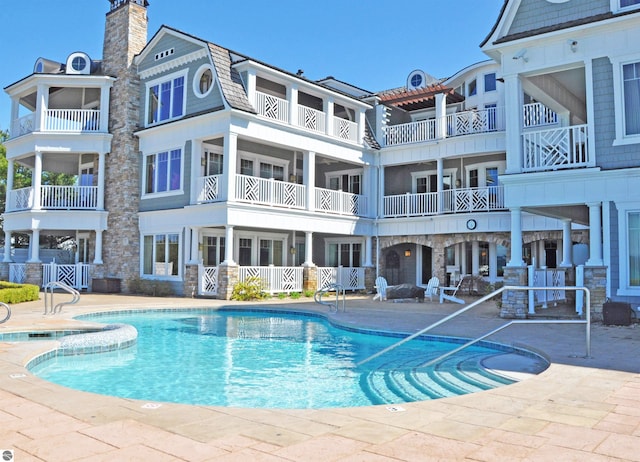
{"x": 251, "y": 289}
{"x": 309, "y": 293}
{"x": 282, "y": 295}
{"x": 295, "y": 295}
{"x": 18, "y": 293}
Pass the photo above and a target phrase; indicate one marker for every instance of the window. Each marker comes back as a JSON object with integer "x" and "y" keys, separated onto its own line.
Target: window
{"x": 631, "y": 90}
{"x": 344, "y": 254}
{"x": 244, "y": 252}
{"x": 625, "y": 3}
{"x": 428, "y": 183}
{"x": 472, "y": 88}
{"x": 203, "y": 81}
{"x": 634, "y": 249}
{"x": 165, "y": 100}
{"x": 263, "y": 167}
{"x": 163, "y": 172}
{"x": 346, "y": 182}
{"x": 213, "y": 250}
{"x": 214, "y": 163}
{"x": 490, "y": 82}
{"x": 416, "y": 80}
{"x": 268, "y": 170}
{"x": 271, "y": 252}
{"x": 160, "y": 255}
{"x": 78, "y": 63}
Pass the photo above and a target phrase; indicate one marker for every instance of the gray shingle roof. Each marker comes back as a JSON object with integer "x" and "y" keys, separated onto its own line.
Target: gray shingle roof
{"x": 230, "y": 82}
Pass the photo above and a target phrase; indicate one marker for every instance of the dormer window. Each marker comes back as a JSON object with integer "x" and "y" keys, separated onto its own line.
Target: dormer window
{"x": 78, "y": 63}
{"x": 203, "y": 81}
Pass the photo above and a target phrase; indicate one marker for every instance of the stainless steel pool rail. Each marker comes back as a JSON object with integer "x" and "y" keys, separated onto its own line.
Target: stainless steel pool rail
{"x": 330, "y": 288}
{"x": 8, "y": 315}
{"x": 48, "y": 296}
{"x": 586, "y": 322}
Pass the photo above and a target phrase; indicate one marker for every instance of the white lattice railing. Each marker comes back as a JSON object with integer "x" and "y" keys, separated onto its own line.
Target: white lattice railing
{"x": 270, "y": 192}
{"x": 17, "y": 272}
{"x": 71, "y": 120}
{"x": 272, "y": 107}
{"x": 350, "y": 278}
{"x": 275, "y": 279}
{"x": 545, "y": 277}
{"x": 311, "y": 119}
{"x": 328, "y": 200}
{"x": 19, "y": 199}
{"x": 208, "y": 280}
{"x": 345, "y": 129}
{"x": 23, "y": 125}
{"x": 209, "y": 188}
{"x": 69, "y": 197}
{"x": 76, "y": 276}
{"x": 537, "y": 114}
{"x": 450, "y": 201}
{"x": 555, "y": 149}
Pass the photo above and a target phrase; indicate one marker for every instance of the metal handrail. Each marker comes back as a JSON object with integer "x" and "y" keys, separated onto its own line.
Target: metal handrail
{"x": 58, "y": 308}
{"x": 586, "y": 321}
{"x": 328, "y": 288}
{"x": 6, "y": 318}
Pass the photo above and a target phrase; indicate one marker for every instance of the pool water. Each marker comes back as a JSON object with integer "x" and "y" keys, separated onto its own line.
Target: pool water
{"x": 268, "y": 360}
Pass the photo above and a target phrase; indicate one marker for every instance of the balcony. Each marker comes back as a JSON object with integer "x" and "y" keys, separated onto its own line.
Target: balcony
{"x": 278, "y": 109}
{"x": 556, "y": 149}
{"x": 54, "y": 198}
{"x": 486, "y": 199}
{"x": 59, "y": 120}
{"x": 456, "y": 124}
{"x": 275, "y": 193}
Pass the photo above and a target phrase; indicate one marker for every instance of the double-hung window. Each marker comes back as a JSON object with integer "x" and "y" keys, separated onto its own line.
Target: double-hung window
{"x": 163, "y": 172}
{"x": 627, "y": 3}
{"x": 165, "y": 99}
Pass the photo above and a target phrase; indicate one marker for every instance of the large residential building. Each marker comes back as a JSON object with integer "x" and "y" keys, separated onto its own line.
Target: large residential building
{"x": 202, "y": 167}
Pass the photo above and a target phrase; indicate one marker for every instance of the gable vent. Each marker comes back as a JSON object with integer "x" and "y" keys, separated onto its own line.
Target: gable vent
{"x": 164, "y": 54}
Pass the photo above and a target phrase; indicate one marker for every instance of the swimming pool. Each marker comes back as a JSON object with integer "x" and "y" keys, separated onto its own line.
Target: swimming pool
{"x": 269, "y": 360}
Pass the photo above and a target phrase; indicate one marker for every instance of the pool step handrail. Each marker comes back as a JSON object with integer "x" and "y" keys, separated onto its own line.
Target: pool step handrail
{"x": 48, "y": 297}
{"x": 338, "y": 288}
{"x": 8, "y": 308}
{"x": 586, "y": 321}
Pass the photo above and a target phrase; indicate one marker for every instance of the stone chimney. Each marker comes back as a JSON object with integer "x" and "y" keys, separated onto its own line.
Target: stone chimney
{"x": 125, "y": 36}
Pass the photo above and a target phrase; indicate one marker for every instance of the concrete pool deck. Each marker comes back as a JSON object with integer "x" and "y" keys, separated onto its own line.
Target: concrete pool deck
{"x": 579, "y": 409}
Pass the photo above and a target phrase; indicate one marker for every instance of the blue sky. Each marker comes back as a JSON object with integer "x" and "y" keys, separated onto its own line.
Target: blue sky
{"x": 373, "y": 44}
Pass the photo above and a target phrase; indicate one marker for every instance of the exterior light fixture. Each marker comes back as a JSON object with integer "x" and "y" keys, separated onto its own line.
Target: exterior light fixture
{"x": 407, "y": 253}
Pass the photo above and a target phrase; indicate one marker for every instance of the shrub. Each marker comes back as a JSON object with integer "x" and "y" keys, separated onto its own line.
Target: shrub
{"x": 309, "y": 293}
{"x": 282, "y": 295}
{"x": 250, "y": 289}
{"x": 295, "y": 295}
{"x": 18, "y": 293}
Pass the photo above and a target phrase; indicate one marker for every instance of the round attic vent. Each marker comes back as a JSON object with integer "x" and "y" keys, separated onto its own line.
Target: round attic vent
{"x": 417, "y": 79}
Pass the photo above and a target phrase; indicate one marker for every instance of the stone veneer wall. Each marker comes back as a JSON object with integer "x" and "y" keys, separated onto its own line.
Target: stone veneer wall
{"x": 125, "y": 36}
{"x": 190, "y": 283}
{"x": 227, "y": 277}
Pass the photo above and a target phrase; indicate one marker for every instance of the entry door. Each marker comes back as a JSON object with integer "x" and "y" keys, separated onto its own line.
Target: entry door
{"x": 427, "y": 262}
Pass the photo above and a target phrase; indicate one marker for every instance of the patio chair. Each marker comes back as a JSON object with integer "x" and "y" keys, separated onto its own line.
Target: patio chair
{"x": 449, "y": 293}
{"x": 432, "y": 288}
{"x": 381, "y": 288}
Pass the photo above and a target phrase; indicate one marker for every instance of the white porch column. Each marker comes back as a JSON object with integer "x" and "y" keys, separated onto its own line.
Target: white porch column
{"x": 368, "y": 190}
{"x": 513, "y": 123}
{"x": 493, "y": 262}
{"x": 34, "y": 246}
{"x": 441, "y": 115}
{"x": 251, "y": 87}
{"x": 101, "y": 180}
{"x": 15, "y": 114}
{"x": 368, "y": 251}
{"x": 567, "y": 247}
{"x": 380, "y": 188}
{"x": 309, "y": 178}
{"x": 7, "y": 246}
{"x": 328, "y": 116}
{"x": 361, "y": 120}
{"x": 463, "y": 258}
{"x": 197, "y": 171}
{"x": 308, "y": 249}
{"x": 10, "y": 173}
{"x": 97, "y": 259}
{"x": 195, "y": 244}
{"x": 439, "y": 174}
{"x": 188, "y": 255}
{"x": 595, "y": 235}
{"x": 229, "y": 164}
{"x": 475, "y": 258}
{"x": 104, "y": 109}
{"x": 36, "y": 181}
{"x": 42, "y": 102}
{"x": 292, "y": 97}
{"x": 516, "y": 238}
{"x": 542, "y": 253}
{"x": 228, "y": 243}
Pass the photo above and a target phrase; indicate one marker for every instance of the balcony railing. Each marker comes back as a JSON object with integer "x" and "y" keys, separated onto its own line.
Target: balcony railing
{"x": 59, "y": 120}
{"x": 276, "y": 279}
{"x": 466, "y": 200}
{"x": 328, "y": 200}
{"x": 537, "y": 114}
{"x": 457, "y": 124}
{"x": 270, "y": 192}
{"x": 209, "y": 188}
{"x": 559, "y": 148}
{"x": 54, "y": 198}
{"x": 350, "y": 278}
{"x": 275, "y": 108}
